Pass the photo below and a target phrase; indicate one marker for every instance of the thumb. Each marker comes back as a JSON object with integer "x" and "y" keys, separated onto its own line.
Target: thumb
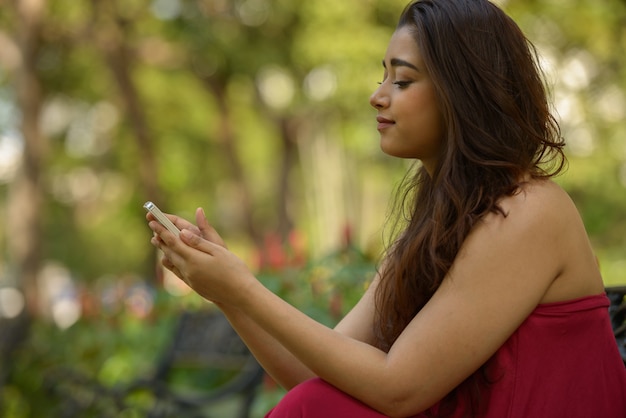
{"x": 207, "y": 231}
{"x": 201, "y": 221}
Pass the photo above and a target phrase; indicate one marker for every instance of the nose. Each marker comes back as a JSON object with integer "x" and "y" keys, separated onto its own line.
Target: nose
{"x": 378, "y": 99}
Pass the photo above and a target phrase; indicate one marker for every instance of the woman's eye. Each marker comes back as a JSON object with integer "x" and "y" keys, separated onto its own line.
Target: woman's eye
{"x": 401, "y": 84}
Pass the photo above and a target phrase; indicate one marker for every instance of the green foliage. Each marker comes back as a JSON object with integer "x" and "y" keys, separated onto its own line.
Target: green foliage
{"x": 581, "y": 39}
{"x": 207, "y": 78}
{"x": 112, "y": 347}
{"x": 198, "y": 72}
{"x": 325, "y": 289}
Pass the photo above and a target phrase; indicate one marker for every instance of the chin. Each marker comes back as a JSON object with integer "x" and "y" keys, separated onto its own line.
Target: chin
{"x": 388, "y": 149}
{"x": 394, "y": 152}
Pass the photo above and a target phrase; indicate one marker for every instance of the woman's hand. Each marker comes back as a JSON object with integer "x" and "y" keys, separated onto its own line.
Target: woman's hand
{"x": 202, "y": 229}
{"x": 200, "y": 258}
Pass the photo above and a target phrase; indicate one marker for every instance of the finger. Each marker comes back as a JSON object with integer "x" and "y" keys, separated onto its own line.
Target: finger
{"x": 170, "y": 246}
{"x": 172, "y": 268}
{"x": 182, "y": 223}
{"x": 167, "y": 263}
{"x": 164, "y": 236}
{"x": 156, "y": 227}
{"x": 156, "y": 241}
{"x": 207, "y": 231}
{"x": 174, "y": 261}
{"x": 198, "y": 243}
{"x": 202, "y": 222}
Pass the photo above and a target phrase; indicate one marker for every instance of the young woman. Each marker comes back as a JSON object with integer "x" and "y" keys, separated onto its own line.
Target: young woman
{"x": 489, "y": 303}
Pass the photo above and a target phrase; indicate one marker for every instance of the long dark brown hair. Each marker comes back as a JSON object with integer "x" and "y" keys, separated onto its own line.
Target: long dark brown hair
{"x": 499, "y": 127}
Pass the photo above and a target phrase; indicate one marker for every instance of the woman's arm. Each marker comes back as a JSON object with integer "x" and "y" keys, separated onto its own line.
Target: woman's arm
{"x": 279, "y": 363}
{"x": 453, "y": 335}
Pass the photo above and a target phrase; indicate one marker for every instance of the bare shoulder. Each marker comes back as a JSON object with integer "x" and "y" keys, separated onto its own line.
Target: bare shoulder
{"x": 540, "y": 212}
{"x": 535, "y": 252}
{"x": 548, "y": 231}
{"x": 524, "y": 237}
{"x": 538, "y": 204}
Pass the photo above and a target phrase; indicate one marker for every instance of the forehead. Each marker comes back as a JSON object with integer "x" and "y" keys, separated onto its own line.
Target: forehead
{"x": 403, "y": 45}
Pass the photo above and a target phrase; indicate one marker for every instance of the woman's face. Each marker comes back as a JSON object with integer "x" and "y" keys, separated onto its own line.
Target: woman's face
{"x": 409, "y": 119}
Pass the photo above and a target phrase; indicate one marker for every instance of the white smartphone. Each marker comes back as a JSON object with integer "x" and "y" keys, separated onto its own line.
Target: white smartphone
{"x": 160, "y": 216}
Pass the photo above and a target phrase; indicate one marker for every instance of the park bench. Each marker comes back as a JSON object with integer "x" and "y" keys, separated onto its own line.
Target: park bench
{"x": 204, "y": 340}
{"x": 12, "y": 332}
{"x": 617, "y": 312}
{"x": 204, "y": 346}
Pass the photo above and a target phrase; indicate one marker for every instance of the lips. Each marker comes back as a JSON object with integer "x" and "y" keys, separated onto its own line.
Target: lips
{"x": 384, "y": 122}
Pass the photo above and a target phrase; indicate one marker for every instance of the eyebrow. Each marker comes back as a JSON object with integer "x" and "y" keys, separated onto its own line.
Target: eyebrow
{"x": 397, "y": 62}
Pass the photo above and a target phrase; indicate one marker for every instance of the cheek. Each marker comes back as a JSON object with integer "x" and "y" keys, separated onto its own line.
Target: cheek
{"x": 419, "y": 129}
{"x": 424, "y": 134}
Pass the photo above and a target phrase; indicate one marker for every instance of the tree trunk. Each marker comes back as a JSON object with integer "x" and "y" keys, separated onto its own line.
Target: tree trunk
{"x": 25, "y": 195}
{"x": 110, "y": 38}
{"x": 289, "y": 156}
{"x": 227, "y": 141}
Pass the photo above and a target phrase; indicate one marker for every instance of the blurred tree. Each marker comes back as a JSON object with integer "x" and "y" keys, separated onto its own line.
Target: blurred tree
{"x": 257, "y": 110}
{"x": 583, "y": 44}
{"x": 26, "y": 191}
{"x": 109, "y": 31}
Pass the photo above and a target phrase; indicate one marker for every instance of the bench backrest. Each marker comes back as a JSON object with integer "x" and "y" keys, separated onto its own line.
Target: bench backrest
{"x": 617, "y": 312}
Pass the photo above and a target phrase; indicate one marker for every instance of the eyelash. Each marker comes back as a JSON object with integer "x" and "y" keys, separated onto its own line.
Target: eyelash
{"x": 400, "y": 84}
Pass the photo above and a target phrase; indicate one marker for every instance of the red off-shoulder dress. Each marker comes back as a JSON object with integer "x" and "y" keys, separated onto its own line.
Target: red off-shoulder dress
{"x": 562, "y": 361}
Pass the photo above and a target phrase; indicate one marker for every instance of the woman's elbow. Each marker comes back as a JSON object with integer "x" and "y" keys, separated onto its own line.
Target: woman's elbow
{"x": 402, "y": 406}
